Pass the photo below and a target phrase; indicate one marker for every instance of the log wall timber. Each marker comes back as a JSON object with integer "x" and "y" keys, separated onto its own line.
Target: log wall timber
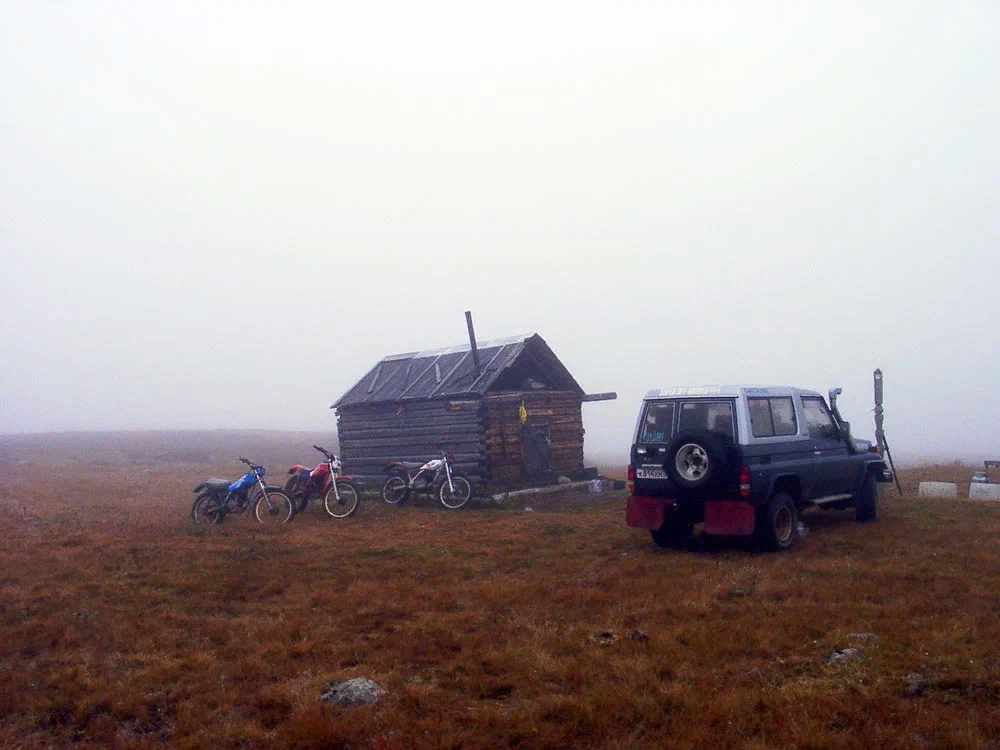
{"x": 560, "y": 411}
{"x": 485, "y": 434}
{"x": 372, "y": 435}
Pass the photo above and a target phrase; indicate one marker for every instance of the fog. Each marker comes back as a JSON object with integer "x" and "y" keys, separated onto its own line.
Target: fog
{"x": 221, "y": 215}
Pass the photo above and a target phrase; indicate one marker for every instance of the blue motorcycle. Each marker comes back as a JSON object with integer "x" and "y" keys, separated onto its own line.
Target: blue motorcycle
{"x": 218, "y": 498}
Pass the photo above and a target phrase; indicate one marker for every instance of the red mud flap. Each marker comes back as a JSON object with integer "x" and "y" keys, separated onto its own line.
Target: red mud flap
{"x": 645, "y": 512}
{"x": 728, "y": 517}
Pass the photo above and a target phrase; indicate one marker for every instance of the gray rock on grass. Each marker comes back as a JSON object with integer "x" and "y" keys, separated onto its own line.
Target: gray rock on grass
{"x": 359, "y": 691}
{"x": 844, "y": 656}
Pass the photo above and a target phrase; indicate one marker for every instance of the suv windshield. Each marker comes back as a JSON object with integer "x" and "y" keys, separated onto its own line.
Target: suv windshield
{"x": 700, "y": 414}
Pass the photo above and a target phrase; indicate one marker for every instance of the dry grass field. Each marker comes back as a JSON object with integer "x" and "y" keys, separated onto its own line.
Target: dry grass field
{"x": 124, "y": 625}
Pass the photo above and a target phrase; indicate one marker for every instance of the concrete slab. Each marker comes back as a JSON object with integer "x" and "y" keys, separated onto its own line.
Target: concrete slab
{"x": 938, "y": 489}
{"x": 984, "y": 491}
{"x": 546, "y": 490}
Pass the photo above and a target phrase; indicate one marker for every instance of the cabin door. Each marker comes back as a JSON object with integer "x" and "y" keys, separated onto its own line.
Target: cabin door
{"x": 536, "y": 455}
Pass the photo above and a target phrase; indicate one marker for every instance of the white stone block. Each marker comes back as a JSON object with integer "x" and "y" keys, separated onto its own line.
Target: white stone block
{"x": 984, "y": 491}
{"x": 938, "y": 489}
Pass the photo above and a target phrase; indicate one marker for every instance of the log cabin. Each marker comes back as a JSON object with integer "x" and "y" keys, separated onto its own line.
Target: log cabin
{"x": 508, "y": 410}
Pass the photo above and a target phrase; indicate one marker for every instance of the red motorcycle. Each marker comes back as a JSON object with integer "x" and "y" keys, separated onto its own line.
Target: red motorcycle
{"x": 339, "y": 493}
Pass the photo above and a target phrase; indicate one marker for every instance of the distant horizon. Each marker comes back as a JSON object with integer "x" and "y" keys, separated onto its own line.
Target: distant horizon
{"x": 902, "y": 458}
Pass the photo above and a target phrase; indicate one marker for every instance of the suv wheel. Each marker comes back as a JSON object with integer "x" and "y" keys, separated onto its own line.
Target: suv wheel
{"x": 778, "y": 522}
{"x": 866, "y": 508}
{"x": 695, "y": 460}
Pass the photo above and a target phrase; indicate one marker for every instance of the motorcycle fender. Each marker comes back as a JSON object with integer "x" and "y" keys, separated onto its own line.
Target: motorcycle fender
{"x": 200, "y": 487}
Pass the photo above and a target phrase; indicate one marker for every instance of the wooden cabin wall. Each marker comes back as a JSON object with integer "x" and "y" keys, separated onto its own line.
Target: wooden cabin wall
{"x": 372, "y": 435}
{"x": 560, "y": 410}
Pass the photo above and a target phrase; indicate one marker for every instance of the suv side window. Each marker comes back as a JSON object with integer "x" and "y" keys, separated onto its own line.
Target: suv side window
{"x": 770, "y": 417}
{"x": 821, "y": 424}
{"x": 761, "y": 424}
{"x": 658, "y": 422}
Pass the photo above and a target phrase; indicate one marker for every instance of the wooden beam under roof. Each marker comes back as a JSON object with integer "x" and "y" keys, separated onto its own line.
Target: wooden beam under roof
{"x": 609, "y": 396}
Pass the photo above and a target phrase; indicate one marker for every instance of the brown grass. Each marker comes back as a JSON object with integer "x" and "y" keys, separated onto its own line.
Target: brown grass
{"x": 124, "y": 625}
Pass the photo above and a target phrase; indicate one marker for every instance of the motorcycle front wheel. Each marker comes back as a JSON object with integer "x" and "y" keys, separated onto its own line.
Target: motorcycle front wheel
{"x": 458, "y": 494}
{"x": 274, "y": 508}
{"x": 348, "y": 503}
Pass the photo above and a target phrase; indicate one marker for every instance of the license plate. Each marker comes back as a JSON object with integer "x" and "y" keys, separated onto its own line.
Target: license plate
{"x": 650, "y": 472}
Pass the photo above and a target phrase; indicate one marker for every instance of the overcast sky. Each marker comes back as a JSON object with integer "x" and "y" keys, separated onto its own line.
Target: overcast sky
{"x": 221, "y": 214}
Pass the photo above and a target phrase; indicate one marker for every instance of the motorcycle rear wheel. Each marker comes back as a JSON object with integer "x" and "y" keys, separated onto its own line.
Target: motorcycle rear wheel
{"x": 394, "y": 489}
{"x": 208, "y": 510}
{"x": 293, "y": 488}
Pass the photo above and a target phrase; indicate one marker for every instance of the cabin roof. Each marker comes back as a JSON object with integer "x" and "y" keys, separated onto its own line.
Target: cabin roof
{"x": 450, "y": 372}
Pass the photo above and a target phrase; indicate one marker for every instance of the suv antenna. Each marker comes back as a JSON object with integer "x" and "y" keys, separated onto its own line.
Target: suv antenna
{"x": 883, "y": 443}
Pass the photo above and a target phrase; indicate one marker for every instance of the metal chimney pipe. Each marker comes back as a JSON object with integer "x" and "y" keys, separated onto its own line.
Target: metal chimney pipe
{"x": 472, "y": 342}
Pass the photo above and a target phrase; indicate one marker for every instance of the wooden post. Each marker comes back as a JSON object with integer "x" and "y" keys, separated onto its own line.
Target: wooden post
{"x": 880, "y": 438}
{"x": 879, "y": 413}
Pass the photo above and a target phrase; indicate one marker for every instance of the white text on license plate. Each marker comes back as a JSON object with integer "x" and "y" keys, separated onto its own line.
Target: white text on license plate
{"x": 650, "y": 472}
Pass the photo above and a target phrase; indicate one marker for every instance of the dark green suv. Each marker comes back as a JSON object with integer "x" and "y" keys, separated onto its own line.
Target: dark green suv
{"x": 745, "y": 460}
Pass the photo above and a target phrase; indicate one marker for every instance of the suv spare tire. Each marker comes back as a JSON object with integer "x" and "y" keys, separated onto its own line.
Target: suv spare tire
{"x": 696, "y": 460}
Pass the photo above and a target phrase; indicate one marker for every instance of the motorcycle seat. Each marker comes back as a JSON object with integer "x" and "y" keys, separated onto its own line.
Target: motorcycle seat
{"x": 216, "y": 484}
{"x": 408, "y": 464}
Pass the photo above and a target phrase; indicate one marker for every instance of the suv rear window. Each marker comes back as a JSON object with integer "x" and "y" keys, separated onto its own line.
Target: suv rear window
{"x": 658, "y": 423}
{"x": 713, "y": 416}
